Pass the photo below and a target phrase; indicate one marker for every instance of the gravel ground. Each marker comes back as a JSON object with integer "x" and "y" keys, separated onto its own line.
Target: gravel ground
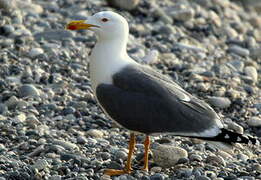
{"x": 51, "y": 126}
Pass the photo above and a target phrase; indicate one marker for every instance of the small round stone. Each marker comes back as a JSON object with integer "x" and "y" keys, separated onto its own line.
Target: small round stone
{"x": 6, "y": 30}
{"x": 28, "y": 90}
{"x": 157, "y": 176}
{"x": 202, "y": 178}
{"x": 124, "y": 4}
{"x": 82, "y": 140}
{"x": 220, "y": 102}
{"x": 156, "y": 169}
{"x": 216, "y": 160}
{"x": 254, "y": 121}
{"x": 239, "y": 51}
{"x": 55, "y": 177}
{"x": 3, "y": 108}
{"x": 121, "y": 155}
{"x": 105, "y": 155}
{"x": 251, "y": 72}
{"x": 195, "y": 157}
{"x": 183, "y": 14}
{"x": 95, "y": 133}
{"x": 163, "y": 155}
{"x": 40, "y": 164}
{"x": 35, "y": 52}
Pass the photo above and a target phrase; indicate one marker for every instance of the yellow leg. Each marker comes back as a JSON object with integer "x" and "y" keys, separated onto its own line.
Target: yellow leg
{"x": 146, "y": 154}
{"x": 127, "y": 169}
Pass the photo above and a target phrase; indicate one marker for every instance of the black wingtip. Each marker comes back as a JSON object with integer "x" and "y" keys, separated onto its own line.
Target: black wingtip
{"x": 232, "y": 137}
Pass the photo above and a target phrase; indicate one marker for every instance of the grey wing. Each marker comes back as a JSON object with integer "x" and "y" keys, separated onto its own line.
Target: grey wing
{"x": 142, "y": 101}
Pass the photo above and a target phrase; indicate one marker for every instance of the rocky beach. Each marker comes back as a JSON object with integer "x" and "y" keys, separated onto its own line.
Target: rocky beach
{"x": 51, "y": 126}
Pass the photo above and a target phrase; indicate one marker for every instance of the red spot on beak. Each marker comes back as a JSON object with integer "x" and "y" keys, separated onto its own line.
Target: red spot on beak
{"x": 72, "y": 27}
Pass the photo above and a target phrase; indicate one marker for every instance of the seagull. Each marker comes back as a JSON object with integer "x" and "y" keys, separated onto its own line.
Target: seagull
{"x": 141, "y": 99}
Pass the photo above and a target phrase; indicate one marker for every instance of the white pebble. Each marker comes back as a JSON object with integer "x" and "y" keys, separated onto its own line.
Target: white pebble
{"x": 251, "y": 72}
{"x": 35, "y": 52}
{"x": 254, "y": 121}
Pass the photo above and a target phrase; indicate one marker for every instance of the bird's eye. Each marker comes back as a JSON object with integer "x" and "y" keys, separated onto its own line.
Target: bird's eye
{"x": 104, "y": 19}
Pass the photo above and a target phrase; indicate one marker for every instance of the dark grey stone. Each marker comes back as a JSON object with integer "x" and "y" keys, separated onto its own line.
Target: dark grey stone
{"x": 3, "y": 108}
{"x": 157, "y": 176}
{"x": 28, "y": 90}
{"x": 202, "y": 178}
{"x": 53, "y": 35}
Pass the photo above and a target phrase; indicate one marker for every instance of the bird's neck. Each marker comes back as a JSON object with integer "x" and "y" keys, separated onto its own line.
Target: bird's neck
{"x": 107, "y": 58}
{"x": 115, "y": 48}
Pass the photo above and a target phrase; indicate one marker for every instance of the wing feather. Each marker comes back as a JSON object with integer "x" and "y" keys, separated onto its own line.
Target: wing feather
{"x": 141, "y": 99}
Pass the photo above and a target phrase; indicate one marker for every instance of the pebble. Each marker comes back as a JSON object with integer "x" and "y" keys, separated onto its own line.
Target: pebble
{"x": 30, "y": 7}
{"x": 238, "y": 65}
{"x": 37, "y": 151}
{"x": 189, "y": 47}
{"x": 236, "y": 127}
{"x": 215, "y": 18}
{"x": 216, "y": 160}
{"x": 54, "y": 35}
{"x": 67, "y": 145}
{"x": 255, "y": 52}
{"x": 28, "y": 90}
{"x": 151, "y": 57}
{"x": 156, "y": 169}
{"x": 3, "y": 108}
{"x": 224, "y": 154}
{"x": 168, "y": 156}
{"x": 182, "y": 14}
{"x": 2, "y": 118}
{"x": 157, "y": 176}
{"x": 95, "y": 133}
{"x": 105, "y": 155}
{"x": 82, "y": 140}
{"x": 220, "y": 102}
{"x": 184, "y": 172}
{"x": 20, "y": 118}
{"x": 251, "y": 72}
{"x": 195, "y": 157}
{"x": 92, "y": 141}
{"x": 105, "y": 177}
{"x": 248, "y": 177}
{"x": 183, "y": 160}
{"x": 145, "y": 177}
{"x": 32, "y": 121}
{"x": 40, "y": 164}
{"x": 162, "y": 14}
{"x": 242, "y": 157}
{"x": 255, "y": 21}
{"x": 6, "y": 30}
{"x": 202, "y": 178}
{"x": 124, "y": 4}
{"x": 254, "y": 121}
{"x": 114, "y": 165}
{"x": 7, "y": 5}
{"x": 257, "y": 167}
{"x": 35, "y": 52}
{"x": 55, "y": 177}
{"x": 12, "y": 102}
{"x": 231, "y": 33}
{"x": 239, "y": 51}
{"x": 121, "y": 155}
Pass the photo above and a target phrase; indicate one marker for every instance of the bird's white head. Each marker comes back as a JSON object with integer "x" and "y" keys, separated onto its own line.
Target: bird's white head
{"x": 106, "y": 24}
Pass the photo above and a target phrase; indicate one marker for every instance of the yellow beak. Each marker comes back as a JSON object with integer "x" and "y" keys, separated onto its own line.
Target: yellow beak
{"x": 77, "y": 25}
